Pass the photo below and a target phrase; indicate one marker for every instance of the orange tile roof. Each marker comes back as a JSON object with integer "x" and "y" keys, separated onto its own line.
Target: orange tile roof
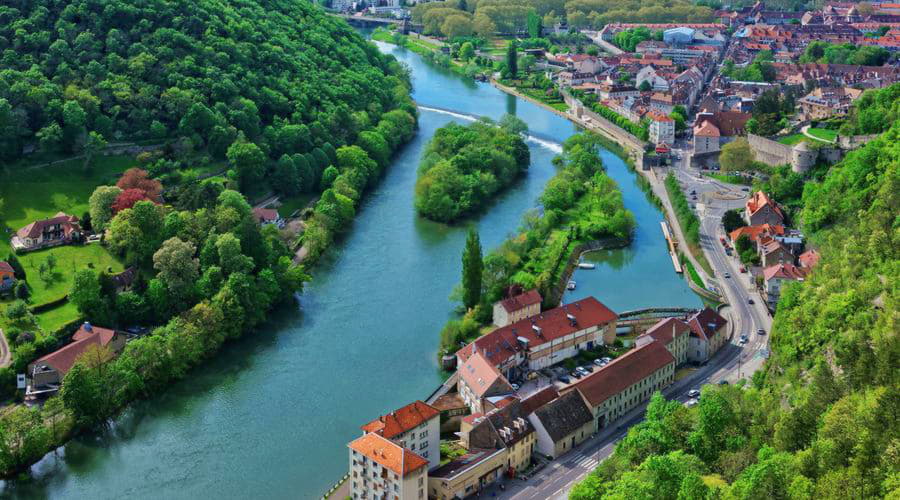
{"x": 666, "y": 328}
{"x": 706, "y": 323}
{"x": 785, "y": 271}
{"x": 809, "y": 258}
{"x": 623, "y": 372}
{"x": 754, "y": 232}
{"x": 480, "y": 375}
{"x": 388, "y": 454}
{"x": 521, "y": 301}
{"x": 759, "y": 200}
{"x": 64, "y": 358}
{"x": 707, "y": 129}
{"x": 399, "y": 421}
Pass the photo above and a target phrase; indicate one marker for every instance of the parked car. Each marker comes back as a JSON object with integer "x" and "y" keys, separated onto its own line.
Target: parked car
{"x": 587, "y": 368}
{"x": 576, "y": 374}
{"x": 581, "y": 370}
{"x": 605, "y": 360}
{"x": 564, "y": 379}
{"x": 599, "y": 362}
{"x": 723, "y": 382}
{"x": 745, "y": 189}
{"x": 514, "y": 386}
{"x": 742, "y": 269}
{"x": 694, "y": 393}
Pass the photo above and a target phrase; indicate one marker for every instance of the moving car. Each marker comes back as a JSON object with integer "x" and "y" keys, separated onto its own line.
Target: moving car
{"x": 727, "y": 275}
{"x": 691, "y": 403}
{"x": 694, "y": 393}
{"x": 744, "y": 339}
{"x": 760, "y": 332}
{"x": 750, "y": 301}
{"x": 723, "y": 382}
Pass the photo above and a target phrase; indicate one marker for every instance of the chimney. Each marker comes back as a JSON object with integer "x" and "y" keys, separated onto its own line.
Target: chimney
{"x": 87, "y": 327}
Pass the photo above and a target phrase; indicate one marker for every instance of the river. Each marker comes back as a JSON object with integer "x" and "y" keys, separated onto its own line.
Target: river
{"x": 271, "y": 415}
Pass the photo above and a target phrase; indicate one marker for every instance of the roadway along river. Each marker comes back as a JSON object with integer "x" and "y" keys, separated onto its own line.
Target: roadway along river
{"x": 271, "y": 415}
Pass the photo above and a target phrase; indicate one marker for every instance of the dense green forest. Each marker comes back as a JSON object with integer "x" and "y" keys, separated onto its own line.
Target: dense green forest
{"x": 581, "y": 204}
{"x": 822, "y": 419}
{"x": 273, "y": 87}
{"x": 485, "y": 18}
{"x": 463, "y": 167}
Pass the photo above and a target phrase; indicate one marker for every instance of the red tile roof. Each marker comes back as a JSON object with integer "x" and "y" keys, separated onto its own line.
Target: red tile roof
{"x": 399, "y": 421}
{"x": 809, "y": 258}
{"x": 502, "y": 343}
{"x": 6, "y": 268}
{"x": 704, "y": 324}
{"x": 265, "y": 214}
{"x": 388, "y": 454}
{"x": 480, "y": 375}
{"x": 37, "y": 227}
{"x": 623, "y": 372}
{"x": 663, "y": 330}
{"x": 754, "y": 232}
{"x": 760, "y": 200}
{"x": 785, "y": 271}
{"x": 64, "y": 358}
{"x": 521, "y": 301}
{"x": 707, "y": 129}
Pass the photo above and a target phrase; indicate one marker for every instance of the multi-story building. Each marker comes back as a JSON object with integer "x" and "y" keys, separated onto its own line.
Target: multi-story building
{"x": 382, "y": 469}
{"x": 674, "y": 334}
{"x": 772, "y": 252}
{"x": 467, "y": 475}
{"x": 546, "y": 339}
{"x": 478, "y": 380}
{"x": 517, "y": 308}
{"x": 708, "y": 334}
{"x": 503, "y": 427}
{"x": 662, "y": 128}
{"x": 760, "y": 209}
{"x": 416, "y": 427}
{"x": 626, "y": 382}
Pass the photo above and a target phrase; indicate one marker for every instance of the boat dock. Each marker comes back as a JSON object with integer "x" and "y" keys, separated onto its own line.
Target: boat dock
{"x": 671, "y": 241}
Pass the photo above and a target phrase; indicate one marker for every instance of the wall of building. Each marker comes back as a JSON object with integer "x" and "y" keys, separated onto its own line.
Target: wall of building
{"x": 468, "y": 482}
{"x": 613, "y": 408}
{"x": 770, "y": 152}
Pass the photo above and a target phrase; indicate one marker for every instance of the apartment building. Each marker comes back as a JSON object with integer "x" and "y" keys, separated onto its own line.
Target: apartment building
{"x": 674, "y": 334}
{"x": 380, "y": 468}
{"x": 415, "y": 427}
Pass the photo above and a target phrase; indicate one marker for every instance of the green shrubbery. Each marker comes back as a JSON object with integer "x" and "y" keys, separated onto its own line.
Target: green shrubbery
{"x": 463, "y": 167}
{"x": 690, "y": 224}
{"x": 639, "y": 130}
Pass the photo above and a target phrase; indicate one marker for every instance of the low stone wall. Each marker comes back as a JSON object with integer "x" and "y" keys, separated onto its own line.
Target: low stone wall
{"x": 854, "y": 141}
{"x": 555, "y": 295}
{"x": 770, "y": 152}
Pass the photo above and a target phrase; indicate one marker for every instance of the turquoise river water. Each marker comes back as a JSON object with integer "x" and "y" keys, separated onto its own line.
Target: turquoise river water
{"x": 271, "y": 415}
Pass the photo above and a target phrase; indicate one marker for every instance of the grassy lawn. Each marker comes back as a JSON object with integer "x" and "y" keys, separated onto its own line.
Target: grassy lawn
{"x": 55, "y": 318}
{"x": 692, "y": 272}
{"x": 790, "y": 140}
{"x": 290, "y": 204}
{"x": 69, "y": 259}
{"x": 38, "y": 193}
{"x": 823, "y": 133}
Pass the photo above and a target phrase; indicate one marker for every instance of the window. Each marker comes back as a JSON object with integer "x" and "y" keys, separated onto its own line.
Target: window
{"x": 424, "y": 454}
{"x": 421, "y": 481}
{"x": 423, "y": 434}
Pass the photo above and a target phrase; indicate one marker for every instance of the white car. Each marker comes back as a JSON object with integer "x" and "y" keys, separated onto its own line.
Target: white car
{"x": 694, "y": 393}
{"x": 691, "y": 403}
{"x": 515, "y": 386}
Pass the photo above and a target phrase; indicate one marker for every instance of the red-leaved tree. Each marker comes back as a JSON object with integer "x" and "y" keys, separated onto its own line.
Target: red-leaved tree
{"x": 127, "y": 199}
{"x": 136, "y": 178}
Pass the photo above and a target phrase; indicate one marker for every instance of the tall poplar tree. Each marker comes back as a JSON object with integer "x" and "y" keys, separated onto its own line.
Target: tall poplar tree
{"x": 512, "y": 61}
{"x": 472, "y": 270}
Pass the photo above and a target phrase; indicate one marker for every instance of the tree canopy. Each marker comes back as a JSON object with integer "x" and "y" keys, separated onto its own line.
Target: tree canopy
{"x": 464, "y": 166}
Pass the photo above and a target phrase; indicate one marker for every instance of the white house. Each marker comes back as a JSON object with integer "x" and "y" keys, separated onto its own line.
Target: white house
{"x": 415, "y": 427}
{"x": 380, "y": 468}
{"x": 662, "y": 128}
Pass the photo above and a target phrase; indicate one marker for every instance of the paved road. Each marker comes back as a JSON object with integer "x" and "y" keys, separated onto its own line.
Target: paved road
{"x": 731, "y": 363}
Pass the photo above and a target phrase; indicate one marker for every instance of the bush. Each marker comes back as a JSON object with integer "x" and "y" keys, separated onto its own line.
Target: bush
{"x": 16, "y": 310}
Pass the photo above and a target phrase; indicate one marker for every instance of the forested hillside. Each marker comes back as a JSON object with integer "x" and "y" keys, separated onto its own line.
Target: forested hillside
{"x": 276, "y": 78}
{"x": 823, "y": 418}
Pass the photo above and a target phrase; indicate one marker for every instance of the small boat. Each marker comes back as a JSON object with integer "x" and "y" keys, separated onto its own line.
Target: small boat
{"x": 586, "y": 265}
{"x": 570, "y": 285}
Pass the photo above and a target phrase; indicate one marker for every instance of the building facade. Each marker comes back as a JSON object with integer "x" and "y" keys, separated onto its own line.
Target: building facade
{"x": 381, "y": 469}
{"x": 709, "y": 333}
{"x": 415, "y": 427}
{"x": 626, "y": 382}
{"x": 517, "y": 308}
{"x": 662, "y": 129}
{"x": 561, "y": 425}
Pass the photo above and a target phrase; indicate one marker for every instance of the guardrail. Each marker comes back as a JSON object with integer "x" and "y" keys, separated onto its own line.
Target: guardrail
{"x": 336, "y": 486}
